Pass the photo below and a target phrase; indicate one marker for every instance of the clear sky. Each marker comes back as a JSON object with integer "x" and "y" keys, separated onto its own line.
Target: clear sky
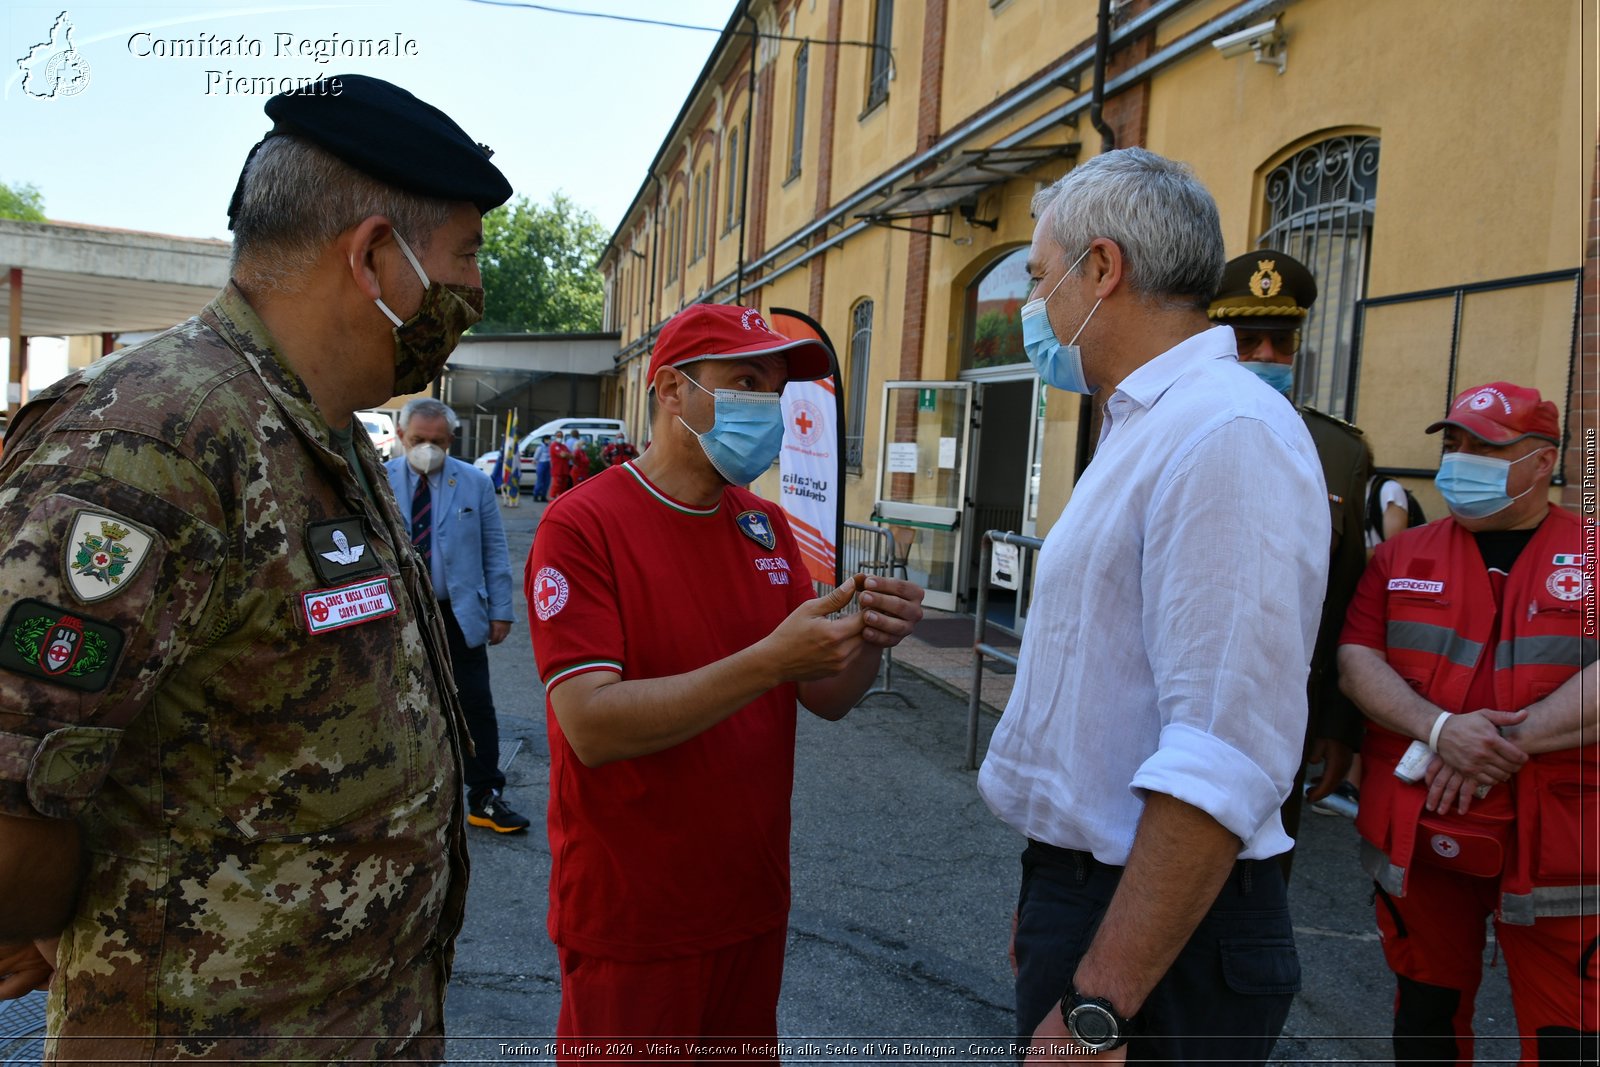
{"x": 153, "y": 141}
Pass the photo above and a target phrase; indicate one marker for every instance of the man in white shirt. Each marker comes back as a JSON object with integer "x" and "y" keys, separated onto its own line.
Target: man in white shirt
{"x": 1158, "y": 714}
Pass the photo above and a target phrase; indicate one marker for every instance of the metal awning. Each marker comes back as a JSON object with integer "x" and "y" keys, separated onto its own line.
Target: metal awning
{"x": 92, "y": 279}
{"x": 965, "y": 175}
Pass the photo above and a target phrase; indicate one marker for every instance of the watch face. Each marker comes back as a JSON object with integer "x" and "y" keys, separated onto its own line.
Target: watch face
{"x": 1092, "y": 1024}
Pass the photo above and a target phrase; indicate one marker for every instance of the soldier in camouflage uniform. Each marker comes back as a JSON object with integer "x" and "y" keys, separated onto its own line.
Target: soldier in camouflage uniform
{"x": 1265, "y": 296}
{"x": 229, "y": 738}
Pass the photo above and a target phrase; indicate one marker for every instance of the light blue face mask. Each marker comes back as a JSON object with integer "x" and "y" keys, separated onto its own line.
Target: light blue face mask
{"x": 1474, "y": 487}
{"x": 1278, "y": 375}
{"x": 746, "y": 435}
{"x": 1060, "y": 365}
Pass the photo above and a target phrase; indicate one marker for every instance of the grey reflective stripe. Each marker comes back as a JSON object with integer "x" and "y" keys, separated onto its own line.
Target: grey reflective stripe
{"x": 1548, "y": 902}
{"x": 1552, "y": 651}
{"x": 1434, "y": 640}
{"x": 1390, "y": 879}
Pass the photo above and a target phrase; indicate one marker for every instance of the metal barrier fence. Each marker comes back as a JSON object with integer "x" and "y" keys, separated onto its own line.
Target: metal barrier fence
{"x": 868, "y": 549}
{"x": 980, "y": 646}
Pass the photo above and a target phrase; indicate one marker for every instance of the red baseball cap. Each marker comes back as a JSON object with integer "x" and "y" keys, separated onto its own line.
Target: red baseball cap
{"x": 1501, "y": 413}
{"x": 727, "y": 331}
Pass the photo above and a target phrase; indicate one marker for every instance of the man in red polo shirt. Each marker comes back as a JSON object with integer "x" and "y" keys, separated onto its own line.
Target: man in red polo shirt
{"x": 1465, "y": 646}
{"x": 674, "y": 630}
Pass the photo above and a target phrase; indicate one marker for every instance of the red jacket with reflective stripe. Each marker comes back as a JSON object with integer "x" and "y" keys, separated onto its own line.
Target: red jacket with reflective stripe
{"x": 1440, "y": 622}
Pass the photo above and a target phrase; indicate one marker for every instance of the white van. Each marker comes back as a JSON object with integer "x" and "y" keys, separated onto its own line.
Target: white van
{"x": 380, "y": 428}
{"x": 589, "y": 428}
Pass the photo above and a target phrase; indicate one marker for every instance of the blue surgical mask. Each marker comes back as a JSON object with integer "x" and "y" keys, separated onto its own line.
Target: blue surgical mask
{"x": 1278, "y": 375}
{"x": 1060, "y": 365}
{"x": 1474, "y": 487}
{"x": 746, "y": 435}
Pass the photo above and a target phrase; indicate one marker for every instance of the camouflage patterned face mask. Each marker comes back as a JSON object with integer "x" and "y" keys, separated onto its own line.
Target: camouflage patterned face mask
{"x": 424, "y": 342}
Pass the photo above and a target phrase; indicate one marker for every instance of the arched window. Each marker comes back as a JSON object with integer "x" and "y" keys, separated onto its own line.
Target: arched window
{"x": 1320, "y": 204}
{"x": 731, "y": 218}
{"x": 797, "y": 118}
{"x": 993, "y": 319}
{"x": 855, "y": 422}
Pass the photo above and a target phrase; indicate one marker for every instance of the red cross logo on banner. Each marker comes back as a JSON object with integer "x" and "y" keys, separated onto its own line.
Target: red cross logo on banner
{"x": 550, "y": 592}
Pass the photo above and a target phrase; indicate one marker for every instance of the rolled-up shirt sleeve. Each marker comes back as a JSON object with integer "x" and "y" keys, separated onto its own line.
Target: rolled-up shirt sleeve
{"x": 1236, "y": 551}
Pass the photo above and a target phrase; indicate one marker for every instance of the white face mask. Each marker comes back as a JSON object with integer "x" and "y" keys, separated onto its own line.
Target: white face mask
{"x": 425, "y": 458}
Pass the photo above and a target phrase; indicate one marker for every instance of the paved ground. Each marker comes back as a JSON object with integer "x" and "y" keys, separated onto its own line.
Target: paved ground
{"x": 903, "y": 891}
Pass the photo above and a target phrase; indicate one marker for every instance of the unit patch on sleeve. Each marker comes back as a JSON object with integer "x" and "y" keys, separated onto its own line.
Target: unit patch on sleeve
{"x": 53, "y": 644}
{"x": 339, "y": 550}
{"x": 756, "y": 526}
{"x": 103, "y": 552}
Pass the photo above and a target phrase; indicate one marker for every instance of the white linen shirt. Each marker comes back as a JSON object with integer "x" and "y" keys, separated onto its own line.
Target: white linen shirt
{"x": 1176, "y": 604}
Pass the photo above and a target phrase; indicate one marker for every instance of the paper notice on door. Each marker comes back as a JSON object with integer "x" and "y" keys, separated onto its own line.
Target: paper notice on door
{"x": 947, "y": 453}
{"x": 903, "y": 458}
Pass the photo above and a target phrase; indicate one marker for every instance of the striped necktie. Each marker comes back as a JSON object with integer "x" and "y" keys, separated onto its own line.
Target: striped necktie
{"x": 422, "y": 521}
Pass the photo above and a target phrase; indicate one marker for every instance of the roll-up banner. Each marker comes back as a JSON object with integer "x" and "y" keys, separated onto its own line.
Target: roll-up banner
{"x": 812, "y": 462}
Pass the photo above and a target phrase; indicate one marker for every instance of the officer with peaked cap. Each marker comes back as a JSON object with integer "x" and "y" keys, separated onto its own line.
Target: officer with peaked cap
{"x": 230, "y": 786}
{"x": 1265, "y": 296}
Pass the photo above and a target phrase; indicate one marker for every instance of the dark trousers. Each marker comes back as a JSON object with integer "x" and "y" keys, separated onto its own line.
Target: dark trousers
{"x": 1226, "y": 996}
{"x": 471, "y": 666}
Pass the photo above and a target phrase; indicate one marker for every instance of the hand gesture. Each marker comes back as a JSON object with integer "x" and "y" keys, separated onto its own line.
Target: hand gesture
{"x": 811, "y": 644}
{"x": 891, "y": 607}
{"x": 23, "y": 969}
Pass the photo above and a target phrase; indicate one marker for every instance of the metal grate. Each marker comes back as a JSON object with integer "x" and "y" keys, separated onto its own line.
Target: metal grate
{"x": 1320, "y": 206}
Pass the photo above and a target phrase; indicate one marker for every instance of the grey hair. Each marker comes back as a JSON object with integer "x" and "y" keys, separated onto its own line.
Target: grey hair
{"x": 297, "y": 197}
{"x": 428, "y": 408}
{"x": 1157, "y": 212}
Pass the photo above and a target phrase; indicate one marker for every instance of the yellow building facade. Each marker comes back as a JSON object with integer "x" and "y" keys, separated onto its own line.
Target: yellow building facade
{"x": 871, "y": 164}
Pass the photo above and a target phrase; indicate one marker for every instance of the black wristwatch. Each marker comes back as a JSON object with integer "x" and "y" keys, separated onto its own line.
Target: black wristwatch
{"x": 1093, "y": 1022}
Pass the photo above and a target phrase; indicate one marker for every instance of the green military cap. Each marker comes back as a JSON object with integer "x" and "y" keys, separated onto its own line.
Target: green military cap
{"x": 1264, "y": 290}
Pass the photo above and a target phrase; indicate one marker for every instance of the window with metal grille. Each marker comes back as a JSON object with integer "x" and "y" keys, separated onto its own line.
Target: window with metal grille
{"x": 878, "y": 72}
{"x": 856, "y": 397}
{"x": 1320, "y": 206}
{"x": 797, "y": 127}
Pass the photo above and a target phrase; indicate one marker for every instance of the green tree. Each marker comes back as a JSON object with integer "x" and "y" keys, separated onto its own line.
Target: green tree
{"x": 23, "y": 202}
{"x": 538, "y": 265}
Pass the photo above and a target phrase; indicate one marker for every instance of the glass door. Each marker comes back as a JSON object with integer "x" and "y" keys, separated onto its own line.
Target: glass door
{"x": 922, "y": 472}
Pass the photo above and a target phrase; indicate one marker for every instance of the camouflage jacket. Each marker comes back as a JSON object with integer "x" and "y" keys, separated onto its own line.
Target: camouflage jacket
{"x": 218, "y": 657}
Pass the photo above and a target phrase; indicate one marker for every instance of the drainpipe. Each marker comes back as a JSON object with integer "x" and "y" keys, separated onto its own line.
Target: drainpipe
{"x": 744, "y": 147}
{"x": 1102, "y": 45}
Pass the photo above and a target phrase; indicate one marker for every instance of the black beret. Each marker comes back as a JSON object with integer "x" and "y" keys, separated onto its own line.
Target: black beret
{"x": 388, "y": 134}
{"x": 1264, "y": 289}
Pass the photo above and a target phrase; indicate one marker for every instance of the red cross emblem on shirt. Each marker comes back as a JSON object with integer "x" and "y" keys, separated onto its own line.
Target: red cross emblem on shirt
{"x": 804, "y": 423}
{"x": 1569, "y": 583}
{"x": 549, "y": 592}
{"x": 319, "y": 611}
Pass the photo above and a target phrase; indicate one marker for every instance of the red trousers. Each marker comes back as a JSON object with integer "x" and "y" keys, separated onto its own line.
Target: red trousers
{"x": 720, "y": 1005}
{"x": 1436, "y": 933}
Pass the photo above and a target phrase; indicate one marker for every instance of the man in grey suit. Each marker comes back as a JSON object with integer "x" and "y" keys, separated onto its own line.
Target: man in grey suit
{"x": 455, "y": 528}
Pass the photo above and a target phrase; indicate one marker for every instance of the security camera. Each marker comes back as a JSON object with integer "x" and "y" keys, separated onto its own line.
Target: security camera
{"x": 1256, "y": 39}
